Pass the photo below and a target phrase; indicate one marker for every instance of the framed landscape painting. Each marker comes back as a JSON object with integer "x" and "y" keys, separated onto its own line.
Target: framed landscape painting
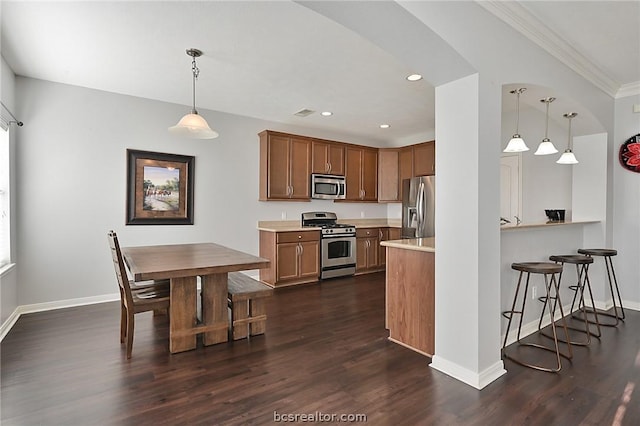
{"x": 159, "y": 188}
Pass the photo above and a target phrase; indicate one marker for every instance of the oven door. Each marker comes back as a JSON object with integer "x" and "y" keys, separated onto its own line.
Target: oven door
{"x": 338, "y": 251}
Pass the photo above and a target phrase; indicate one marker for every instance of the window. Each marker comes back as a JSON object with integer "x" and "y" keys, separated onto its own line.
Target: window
{"x": 5, "y": 246}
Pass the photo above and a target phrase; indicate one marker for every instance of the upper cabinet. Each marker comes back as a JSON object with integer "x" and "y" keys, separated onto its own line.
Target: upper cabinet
{"x": 371, "y": 174}
{"x": 285, "y": 167}
{"x": 424, "y": 159}
{"x": 361, "y": 172}
{"x": 405, "y": 167}
{"x": 328, "y": 158}
{"x": 397, "y": 164}
{"x": 388, "y": 174}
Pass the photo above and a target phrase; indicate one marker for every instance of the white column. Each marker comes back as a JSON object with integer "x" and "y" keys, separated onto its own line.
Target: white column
{"x": 467, "y": 345}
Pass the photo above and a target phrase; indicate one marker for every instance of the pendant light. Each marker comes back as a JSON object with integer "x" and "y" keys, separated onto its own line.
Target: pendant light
{"x": 193, "y": 125}
{"x": 568, "y": 157}
{"x": 546, "y": 146}
{"x": 516, "y": 144}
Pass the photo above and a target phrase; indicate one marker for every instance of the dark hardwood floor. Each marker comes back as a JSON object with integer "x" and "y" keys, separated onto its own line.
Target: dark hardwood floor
{"x": 325, "y": 351}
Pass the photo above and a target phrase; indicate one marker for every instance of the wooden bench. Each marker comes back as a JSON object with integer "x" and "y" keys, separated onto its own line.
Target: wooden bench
{"x": 248, "y": 311}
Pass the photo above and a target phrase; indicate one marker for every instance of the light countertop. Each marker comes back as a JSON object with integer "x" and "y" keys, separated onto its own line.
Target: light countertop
{"x": 295, "y": 225}
{"x": 418, "y": 244}
{"x": 511, "y": 227}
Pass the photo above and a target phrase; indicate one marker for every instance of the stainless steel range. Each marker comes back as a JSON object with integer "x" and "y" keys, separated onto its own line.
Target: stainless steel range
{"x": 338, "y": 244}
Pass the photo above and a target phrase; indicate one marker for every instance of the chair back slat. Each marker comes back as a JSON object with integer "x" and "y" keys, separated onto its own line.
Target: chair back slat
{"x": 121, "y": 272}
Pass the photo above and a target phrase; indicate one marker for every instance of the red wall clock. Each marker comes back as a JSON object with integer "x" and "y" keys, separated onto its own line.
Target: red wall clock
{"x": 630, "y": 154}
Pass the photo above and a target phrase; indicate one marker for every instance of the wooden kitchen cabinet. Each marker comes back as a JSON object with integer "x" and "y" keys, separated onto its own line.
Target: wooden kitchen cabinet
{"x": 387, "y": 234}
{"x": 398, "y": 164}
{"x": 361, "y": 173}
{"x": 327, "y": 158}
{"x": 298, "y": 261}
{"x": 405, "y": 167}
{"x": 388, "y": 175}
{"x": 424, "y": 159}
{"x": 294, "y": 256}
{"x": 285, "y": 167}
{"x": 367, "y": 250}
{"x": 382, "y": 251}
{"x": 395, "y": 233}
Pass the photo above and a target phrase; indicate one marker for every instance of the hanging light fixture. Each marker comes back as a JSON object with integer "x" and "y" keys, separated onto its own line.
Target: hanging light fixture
{"x": 193, "y": 125}
{"x": 568, "y": 157}
{"x": 516, "y": 144}
{"x": 546, "y": 146}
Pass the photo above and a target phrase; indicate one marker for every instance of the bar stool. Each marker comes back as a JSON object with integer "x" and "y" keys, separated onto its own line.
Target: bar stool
{"x": 551, "y": 287}
{"x": 582, "y": 270}
{"x": 607, "y": 254}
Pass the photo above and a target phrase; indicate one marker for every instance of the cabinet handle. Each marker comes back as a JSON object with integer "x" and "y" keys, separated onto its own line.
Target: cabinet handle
{"x": 380, "y": 234}
{"x": 291, "y": 192}
{"x": 299, "y": 237}
{"x": 301, "y": 249}
{"x": 329, "y": 167}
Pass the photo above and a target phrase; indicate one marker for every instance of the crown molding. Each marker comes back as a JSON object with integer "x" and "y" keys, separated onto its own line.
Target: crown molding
{"x": 523, "y": 21}
{"x": 629, "y": 89}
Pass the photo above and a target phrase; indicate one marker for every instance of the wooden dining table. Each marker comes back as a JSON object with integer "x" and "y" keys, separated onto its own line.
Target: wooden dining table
{"x": 183, "y": 264}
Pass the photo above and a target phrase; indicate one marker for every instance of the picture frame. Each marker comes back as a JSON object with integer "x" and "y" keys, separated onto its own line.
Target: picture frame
{"x": 159, "y": 188}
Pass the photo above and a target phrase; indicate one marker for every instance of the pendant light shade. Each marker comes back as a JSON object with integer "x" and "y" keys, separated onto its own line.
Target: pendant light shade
{"x": 193, "y": 125}
{"x": 546, "y": 146}
{"x": 516, "y": 144}
{"x": 568, "y": 157}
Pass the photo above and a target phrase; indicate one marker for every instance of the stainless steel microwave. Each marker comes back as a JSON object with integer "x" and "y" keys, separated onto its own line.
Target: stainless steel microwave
{"x": 328, "y": 187}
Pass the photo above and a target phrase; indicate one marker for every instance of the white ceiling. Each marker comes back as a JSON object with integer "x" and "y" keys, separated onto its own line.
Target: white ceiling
{"x": 269, "y": 60}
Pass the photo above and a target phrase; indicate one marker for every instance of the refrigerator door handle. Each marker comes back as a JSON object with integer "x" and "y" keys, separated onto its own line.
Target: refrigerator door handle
{"x": 420, "y": 210}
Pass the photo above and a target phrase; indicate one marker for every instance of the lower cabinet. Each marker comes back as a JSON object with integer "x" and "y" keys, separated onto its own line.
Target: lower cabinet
{"x": 368, "y": 250}
{"x": 294, "y": 256}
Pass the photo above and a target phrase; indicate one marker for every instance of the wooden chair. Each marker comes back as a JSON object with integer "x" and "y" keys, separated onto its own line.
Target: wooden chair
{"x": 246, "y": 300}
{"x": 135, "y": 298}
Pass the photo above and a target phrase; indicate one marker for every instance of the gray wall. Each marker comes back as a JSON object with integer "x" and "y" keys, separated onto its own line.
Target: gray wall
{"x": 626, "y": 204}
{"x": 71, "y": 172}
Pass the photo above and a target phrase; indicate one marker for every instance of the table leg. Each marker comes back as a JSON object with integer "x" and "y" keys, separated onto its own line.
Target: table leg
{"x": 182, "y": 314}
{"x": 214, "y": 308}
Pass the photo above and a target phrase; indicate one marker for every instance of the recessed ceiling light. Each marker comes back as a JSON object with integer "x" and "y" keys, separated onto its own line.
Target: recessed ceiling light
{"x": 414, "y": 77}
{"x": 326, "y": 113}
{"x": 385, "y": 126}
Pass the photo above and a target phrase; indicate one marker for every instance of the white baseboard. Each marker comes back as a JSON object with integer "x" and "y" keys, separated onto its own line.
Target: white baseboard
{"x": 49, "y": 306}
{"x": 9, "y": 323}
{"x": 471, "y": 378}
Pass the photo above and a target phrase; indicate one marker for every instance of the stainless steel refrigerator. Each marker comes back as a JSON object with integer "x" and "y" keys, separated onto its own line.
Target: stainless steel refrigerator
{"x": 418, "y": 207}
